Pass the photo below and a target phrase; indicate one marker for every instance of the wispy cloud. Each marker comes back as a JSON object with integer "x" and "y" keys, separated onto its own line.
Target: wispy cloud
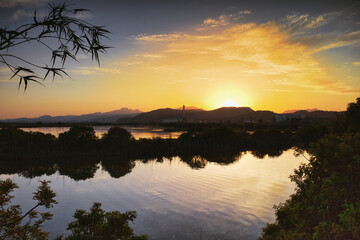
{"x": 321, "y": 42}
{"x": 144, "y": 38}
{"x": 95, "y": 70}
{"x": 22, "y": 13}
{"x": 222, "y": 20}
{"x": 304, "y": 29}
{"x": 297, "y": 23}
{"x": 84, "y": 15}
{"x": 15, "y": 3}
{"x": 270, "y": 52}
{"x": 150, "y": 56}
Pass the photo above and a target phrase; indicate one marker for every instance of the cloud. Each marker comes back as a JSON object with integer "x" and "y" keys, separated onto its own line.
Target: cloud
{"x": 356, "y": 63}
{"x": 150, "y": 56}
{"x": 84, "y": 15}
{"x": 281, "y": 90}
{"x": 95, "y": 70}
{"x": 19, "y": 13}
{"x": 243, "y": 51}
{"x": 351, "y": 37}
{"x": 159, "y": 37}
{"x": 244, "y": 12}
{"x": 297, "y": 23}
{"x": 22, "y": 13}
{"x": 338, "y": 30}
{"x": 15, "y": 3}
{"x": 222, "y": 20}
{"x": 321, "y": 42}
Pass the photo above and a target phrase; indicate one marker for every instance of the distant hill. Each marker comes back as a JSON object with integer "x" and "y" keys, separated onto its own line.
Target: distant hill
{"x": 159, "y": 115}
{"x": 191, "y": 114}
{"x": 105, "y": 117}
{"x": 220, "y": 114}
{"x": 308, "y": 110}
{"x": 189, "y": 108}
{"x": 319, "y": 114}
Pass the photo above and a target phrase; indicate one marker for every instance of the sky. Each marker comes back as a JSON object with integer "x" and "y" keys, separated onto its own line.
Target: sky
{"x": 267, "y": 55}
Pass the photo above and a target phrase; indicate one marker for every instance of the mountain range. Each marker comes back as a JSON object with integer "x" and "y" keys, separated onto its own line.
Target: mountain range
{"x": 197, "y": 114}
{"x": 191, "y": 114}
{"x": 105, "y": 117}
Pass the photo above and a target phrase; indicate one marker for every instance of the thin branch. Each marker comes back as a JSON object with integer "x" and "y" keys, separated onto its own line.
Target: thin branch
{"x": 21, "y": 59}
{"x": 72, "y": 34}
{"x": 16, "y": 221}
{"x": 7, "y": 64}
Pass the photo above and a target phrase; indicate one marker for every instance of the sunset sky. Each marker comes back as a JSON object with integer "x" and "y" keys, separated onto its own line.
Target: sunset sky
{"x": 277, "y": 56}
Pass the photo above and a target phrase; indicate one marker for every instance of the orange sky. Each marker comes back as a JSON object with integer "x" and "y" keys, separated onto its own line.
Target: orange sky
{"x": 266, "y": 66}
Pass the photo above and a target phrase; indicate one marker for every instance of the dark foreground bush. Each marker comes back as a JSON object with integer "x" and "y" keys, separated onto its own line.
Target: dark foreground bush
{"x": 95, "y": 224}
{"x": 326, "y": 204}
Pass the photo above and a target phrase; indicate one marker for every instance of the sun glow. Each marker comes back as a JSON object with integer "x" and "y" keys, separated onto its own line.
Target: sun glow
{"x": 230, "y": 103}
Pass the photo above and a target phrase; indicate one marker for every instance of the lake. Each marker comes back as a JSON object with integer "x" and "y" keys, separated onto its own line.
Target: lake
{"x": 173, "y": 200}
{"x": 136, "y": 131}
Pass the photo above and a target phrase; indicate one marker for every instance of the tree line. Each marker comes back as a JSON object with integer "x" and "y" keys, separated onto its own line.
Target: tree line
{"x": 326, "y": 204}
{"x": 205, "y": 140}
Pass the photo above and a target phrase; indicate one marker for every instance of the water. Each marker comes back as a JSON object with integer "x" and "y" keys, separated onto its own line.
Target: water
{"x": 173, "y": 200}
{"x": 136, "y": 131}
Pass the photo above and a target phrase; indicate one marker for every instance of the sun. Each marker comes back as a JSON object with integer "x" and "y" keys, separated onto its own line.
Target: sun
{"x": 230, "y": 103}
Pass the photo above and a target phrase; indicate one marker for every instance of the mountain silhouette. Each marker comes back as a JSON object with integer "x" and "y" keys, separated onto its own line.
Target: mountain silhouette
{"x": 190, "y": 108}
{"x": 294, "y": 111}
{"x": 319, "y": 114}
{"x": 105, "y": 117}
{"x": 220, "y": 114}
{"x": 191, "y": 114}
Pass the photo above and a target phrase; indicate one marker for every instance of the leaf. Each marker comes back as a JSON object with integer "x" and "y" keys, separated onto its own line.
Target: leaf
{"x": 34, "y": 17}
{"x": 15, "y": 73}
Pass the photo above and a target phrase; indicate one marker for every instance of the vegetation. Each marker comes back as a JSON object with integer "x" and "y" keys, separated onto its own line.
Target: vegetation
{"x": 326, "y": 204}
{"x": 82, "y": 140}
{"x": 77, "y": 153}
{"x": 95, "y": 224}
{"x": 98, "y": 224}
{"x": 14, "y": 224}
{"x": 61, "y": 32}
{"x": 78, "y": 139}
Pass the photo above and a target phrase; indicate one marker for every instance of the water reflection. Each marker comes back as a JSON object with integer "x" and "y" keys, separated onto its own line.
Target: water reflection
{"x": 175, "y": 198}
{"x": 81, "y": 167}
{"x": 137, "y": 131}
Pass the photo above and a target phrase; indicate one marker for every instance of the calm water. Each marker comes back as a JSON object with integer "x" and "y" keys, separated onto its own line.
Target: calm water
{"x": 174, "y": 201}
{"x": 136, "y": 131}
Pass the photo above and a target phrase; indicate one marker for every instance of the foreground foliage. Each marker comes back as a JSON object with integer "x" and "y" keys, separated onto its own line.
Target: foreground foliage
{"x": 98, "y": 224}
{"x": 14, "y": 224}
{"x": 95, "y": 224}
{"x": 326, "y": 204}
{"x": 62, "y": 32}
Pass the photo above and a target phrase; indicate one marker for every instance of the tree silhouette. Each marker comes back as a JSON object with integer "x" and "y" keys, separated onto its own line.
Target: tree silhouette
{"x": 61, "y": 28}
{"x": 98, "y": 224}
{"x": 14, "y": 224}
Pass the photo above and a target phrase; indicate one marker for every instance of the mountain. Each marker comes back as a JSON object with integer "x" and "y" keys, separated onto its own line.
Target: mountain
{"x": 123, "y": 111}
{"x": 319, "y": 114}
{"x": 191, "y": 114}
{"x": 308, "y": 110}
{"x": 189, "y": 108}
{"x": 159, "y": 115}
{"x": 220, "y": 114}
{"x": 105, "y": 117}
